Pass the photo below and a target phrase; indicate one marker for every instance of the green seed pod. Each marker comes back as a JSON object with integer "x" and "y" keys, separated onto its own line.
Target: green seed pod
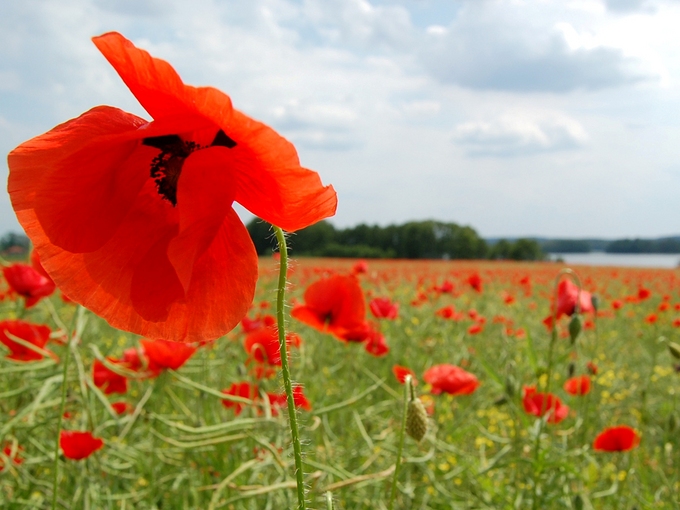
{"x": 595, "y": 301}
{"x": 510, "y": 386}
{"x": 674, "y": 349}
{"x": 572, "y": 369}
{"x": 574, "y": 327}
{"x": 416, "y": 419}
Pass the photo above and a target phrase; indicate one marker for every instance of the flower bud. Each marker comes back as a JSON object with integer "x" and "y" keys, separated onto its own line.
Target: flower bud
{"x": 416, "y": 419}
{"x": 574, "y": 327}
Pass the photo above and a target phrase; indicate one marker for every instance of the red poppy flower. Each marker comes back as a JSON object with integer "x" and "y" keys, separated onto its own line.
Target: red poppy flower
{"x": 34, "y": 334}
{"x": 360, "y": 267}
{"x": 13, "y": 454}
{"x": 28, "y": 283}
{"x": 577, "y": 385}
{"x": 447, "y": 312}
{"x": 79, "y": 445}
{"x": 401, "y": 372}
{"x": 651, "y": 318}
{"x": 279, "y": 400}
{"x": 108, "y": 380}
{"x": 616, "y": 439}
{"x": 568, "y": 295}
{"x": 592, "y": 368}
{"x": 643, "y": 293}
{"x": 336, "y": 305}
{"x": 263, "y": 345}
{"x": 383, "y": 308}
{"x": 450, "y": 379}
{"x": 250, "y": 325}
{"x": 445, "y": 288}
{"x": 540, "y": 404}
{"x": 475, "y": 329}
{"x": 134, "y": 219}
{"x": 376, "y": 344}
{"x": 475, "y": 282}
{"x": 121, "y": 407}
{"x": 242, "y": 389}
{"x": 617, "y": 304}
{"x": 163, "y": 354}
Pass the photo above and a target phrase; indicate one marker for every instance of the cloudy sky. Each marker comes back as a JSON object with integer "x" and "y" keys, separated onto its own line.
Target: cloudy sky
{"x": 557, "y": 118}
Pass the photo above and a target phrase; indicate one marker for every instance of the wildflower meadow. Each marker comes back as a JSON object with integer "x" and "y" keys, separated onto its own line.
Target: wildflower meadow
{"x": 150, "y": 360}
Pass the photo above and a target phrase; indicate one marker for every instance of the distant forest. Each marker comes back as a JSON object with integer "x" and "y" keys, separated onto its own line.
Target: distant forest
{"x": 413, "y": 240}
{"x": 661, "y": 245}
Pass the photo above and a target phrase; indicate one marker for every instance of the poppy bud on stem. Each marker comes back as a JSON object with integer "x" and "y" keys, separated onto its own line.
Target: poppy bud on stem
{"x": 287, "y": 384}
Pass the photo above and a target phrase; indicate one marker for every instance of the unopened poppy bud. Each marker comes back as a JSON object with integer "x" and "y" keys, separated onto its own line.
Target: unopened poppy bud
{"x": 674, "y": 349}
{"x": 572, "y": 369}
{"x": 416, "y": 419}
{"x": 574, "y": 327}
{"x": 500, "y": 401}
{"x": 595, "y": 301}
{"x": 672, "y": 423}
{"x": 578, "y": 502}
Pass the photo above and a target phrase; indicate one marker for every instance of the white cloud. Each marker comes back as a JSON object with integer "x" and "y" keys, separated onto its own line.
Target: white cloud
{"x": 520, "y": 134}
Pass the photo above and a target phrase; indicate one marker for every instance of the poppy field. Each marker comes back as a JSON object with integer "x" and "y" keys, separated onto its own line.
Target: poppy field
{"x": 509, "y": 418}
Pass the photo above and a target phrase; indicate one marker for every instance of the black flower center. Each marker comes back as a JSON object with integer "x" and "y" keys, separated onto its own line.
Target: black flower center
{"x": 166, "y": 167}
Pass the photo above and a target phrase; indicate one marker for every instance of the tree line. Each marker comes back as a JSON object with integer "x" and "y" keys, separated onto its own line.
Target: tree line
{"x": 413, "y": 240}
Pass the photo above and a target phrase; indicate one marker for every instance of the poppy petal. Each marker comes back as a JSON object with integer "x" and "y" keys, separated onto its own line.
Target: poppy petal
{"x": 79, "y": 178}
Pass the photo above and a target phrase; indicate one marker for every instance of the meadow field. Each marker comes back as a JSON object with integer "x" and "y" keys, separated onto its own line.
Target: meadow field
{"x": 173, "y": 439}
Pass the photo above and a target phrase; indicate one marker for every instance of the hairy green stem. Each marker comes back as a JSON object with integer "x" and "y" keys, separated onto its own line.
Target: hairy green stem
{"x": 287, "y": 384}
{"x": 62, "y": 407}
{"x": 407, "y": 393}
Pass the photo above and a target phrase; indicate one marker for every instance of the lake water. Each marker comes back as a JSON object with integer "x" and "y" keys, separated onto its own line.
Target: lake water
{"x": 621, "y": 259}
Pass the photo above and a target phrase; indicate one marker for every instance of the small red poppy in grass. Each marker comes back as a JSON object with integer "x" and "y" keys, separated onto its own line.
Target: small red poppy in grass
{"x": 616, "y": 439}
{"x": 106, "y": 379}
{"x": 263, "y": 345}
{"x": 475, "y": 329}
{"x": 79, "y": 445}
{"x": 13, "y": 453}
{"x": 164, "y": 354}
{"x": 360, "y": 267}
{"x": 475, "y": 281}
{"x": 34, "y": 334}
{"x": 579, "y": 385}
{"x": 121, "y": 407}
{"x": 676, "y": 323}
{"x": 664, "y": 306}
{"x": 540, "y": 404}
{"x": 279, "y": 400}
{"x": 592, "y": 368}
{"x": 450, "y": 379}
{"x": 617, "y": 304}
{"x": 250, "y": 325}
{"x": 384, "y": 308}
{"x": 643, "y": 293}
{"x": 445, "y": 288}
{"x": 28, "y": 283}
{"x": 335, "y": 305}
{"x": 154, "y": 201}
{"x": 447, "y": 312}
{"x": 401, "y": 372}
{"x": 242, "y": 389}
{"x": 376, "y": 344}
{"x": 651, "y": 318}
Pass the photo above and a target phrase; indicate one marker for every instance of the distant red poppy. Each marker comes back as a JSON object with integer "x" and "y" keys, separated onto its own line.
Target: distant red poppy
{"x": 664, "y": 306}
{"x": 13, "y": 454}
{"x": 616, "y": 439}
{"x": 475, "y": 282}
{"x": 263, "y": 345}
{"x": 134, "y": 219}
{"x": 540, "y": 404}
{"x": 376, "y": 344}
{"x": 250, "y": 325}
{"x": 401, "y": 372}
{"x": 445, "y": 288}
{"x": 617, "y": 304}
{"x": 34, "y": 334}
{"x": 242, "y": 389}
{"x": 163, "y": 354}
{"x": 79, "y": 445}
{"x": 643, "y": 293}
{"x": 446, "y": 312}
{"x": 279, "y": 400}
{"x": 28, "y": 283}
{"x": 579, "y": 385}
{"x": 651, "y": 318}
{"x": 384, "y": 308}
{"x": 335, "y": 305}
{"x": 360, "y": 267}
{"x": 450, "y": 379}
{"x": 107, "y": 380}
{"x": 475, "y": 329}
{"x": 592, "y": 368}
{"x": 121, "y": 407}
